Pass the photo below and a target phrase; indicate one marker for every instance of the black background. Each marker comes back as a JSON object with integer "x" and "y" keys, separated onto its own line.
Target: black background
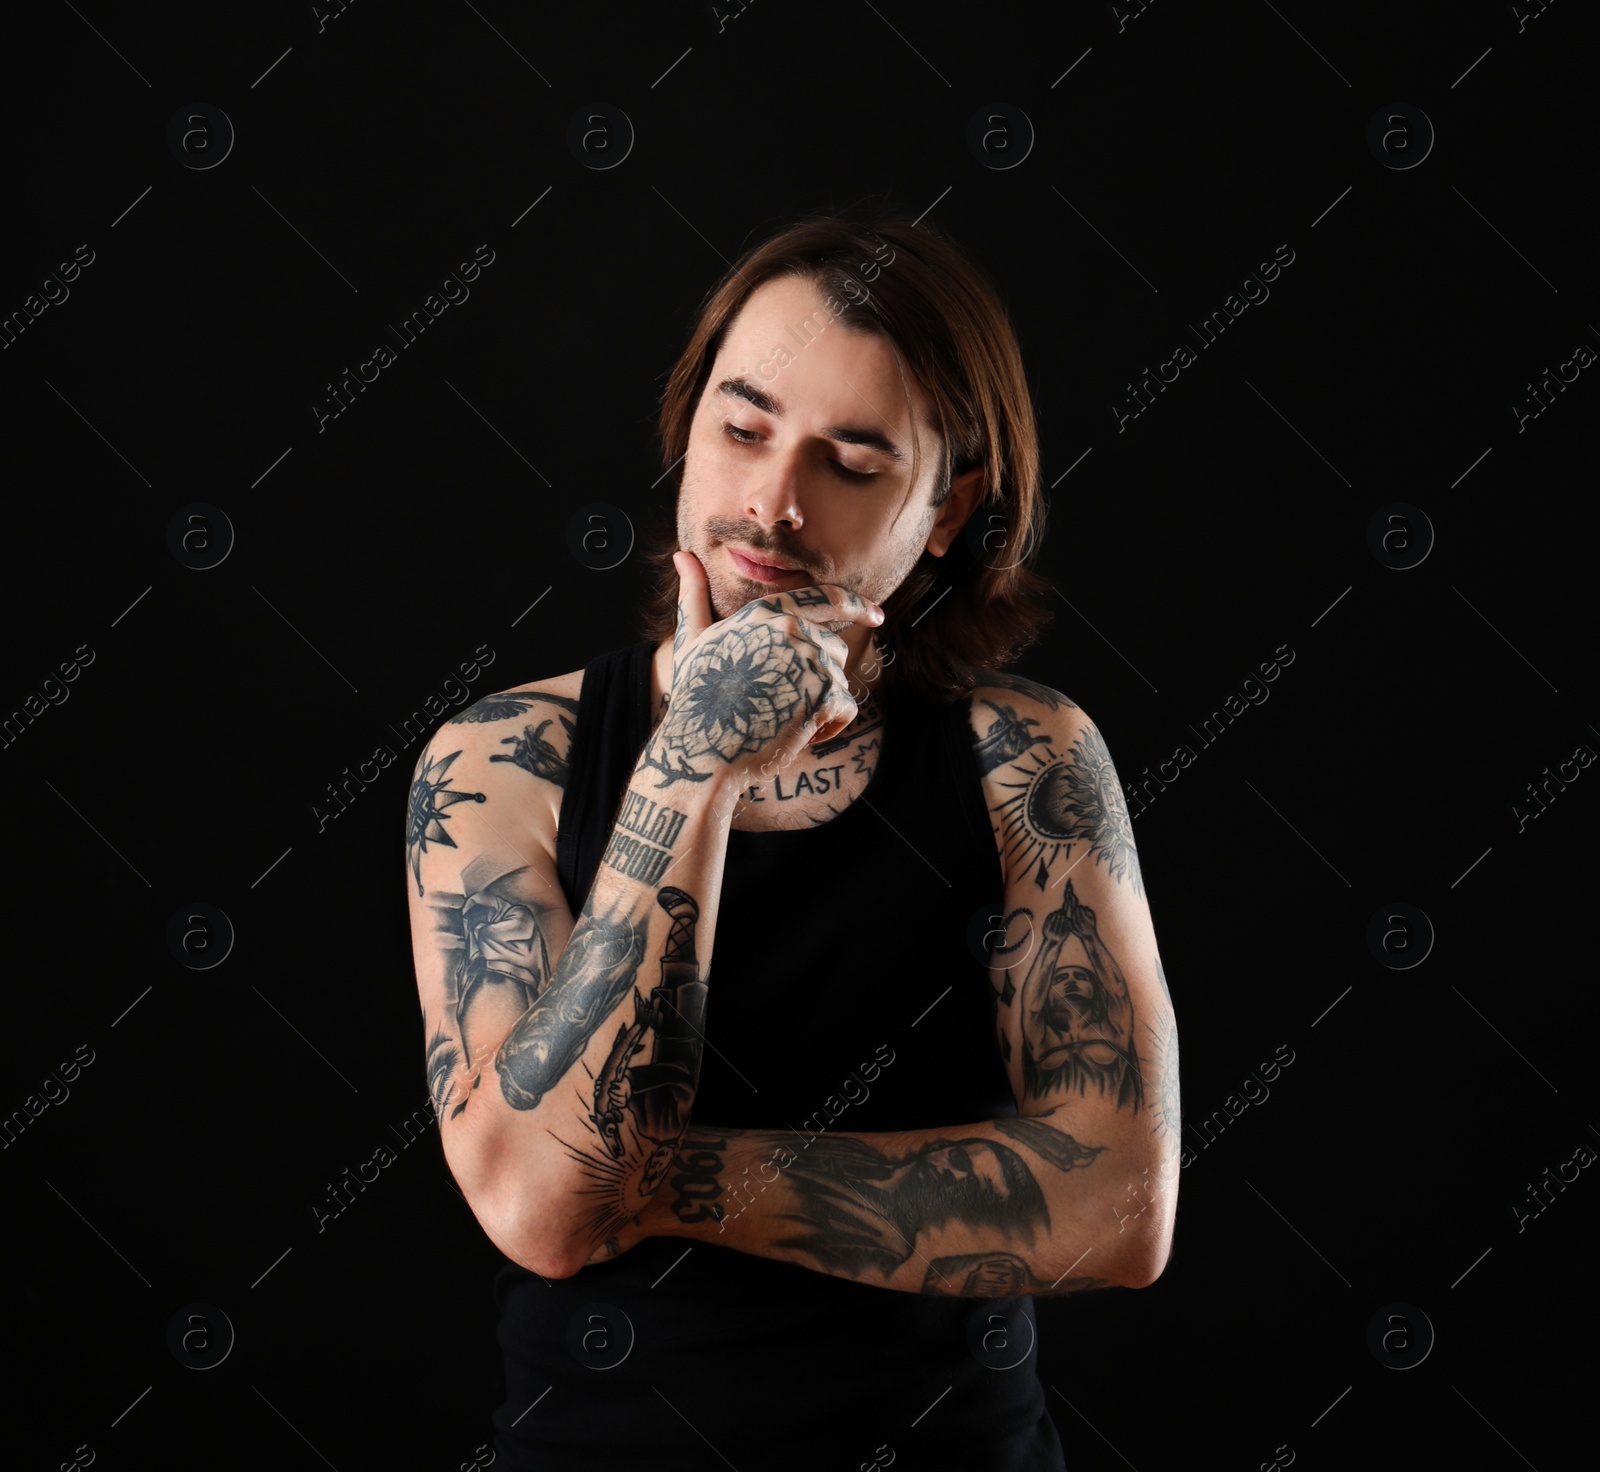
{"x": 1170, "y": 156}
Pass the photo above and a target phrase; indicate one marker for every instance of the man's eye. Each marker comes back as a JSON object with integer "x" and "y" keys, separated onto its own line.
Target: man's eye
{"x": 844, "y": 472}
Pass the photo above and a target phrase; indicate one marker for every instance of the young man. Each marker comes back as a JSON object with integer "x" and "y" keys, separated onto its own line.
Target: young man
{"x": 795, "y": 1216}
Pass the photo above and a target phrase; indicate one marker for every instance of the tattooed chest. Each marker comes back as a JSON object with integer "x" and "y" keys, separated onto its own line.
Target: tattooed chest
{"x": 803, "y": 796}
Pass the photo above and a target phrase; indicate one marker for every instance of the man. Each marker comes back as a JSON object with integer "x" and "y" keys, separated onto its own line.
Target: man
{"x": 936, "y": 1072}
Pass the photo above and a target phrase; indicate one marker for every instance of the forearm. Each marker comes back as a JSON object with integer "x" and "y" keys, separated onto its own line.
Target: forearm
{"x": 606, "y": 1060}
{"x": 992, "y": 1209}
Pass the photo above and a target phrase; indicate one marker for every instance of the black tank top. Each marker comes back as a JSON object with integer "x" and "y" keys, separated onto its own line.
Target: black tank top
{"x": 836, "y": 946}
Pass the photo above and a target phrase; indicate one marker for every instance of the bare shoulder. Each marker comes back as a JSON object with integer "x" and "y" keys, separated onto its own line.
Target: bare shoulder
{"x": 527, "y": 729}
{"x": 1011, "y": 716}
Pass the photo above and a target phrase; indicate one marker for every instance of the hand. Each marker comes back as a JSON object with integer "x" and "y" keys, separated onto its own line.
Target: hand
{"x": 751, "y": 690}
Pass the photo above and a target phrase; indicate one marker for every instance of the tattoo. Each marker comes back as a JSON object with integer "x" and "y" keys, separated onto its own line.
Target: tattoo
{"x": 1021, "y": 685}
{"x": 862, "y": 1208}
{"x": 657, "y": 1094}
{"x": 642, "y": 838}
{"x": 535, "y": 755}
{"x": 642, "y": 1108}
{"x": 1061, "y": 800}
{"x": 496, "y": 966}
{"x": 1077, "y": 1014}
{"x": 1047, "y": 1142}
{"x": 1007, "y": 738}
{"x": 994, "y": 1275}
{"x": 696, "y": 1188}
{"x": 737, "y": 694}
{"x": 1168, "y": 1103}
{"x": 597, "y": 969}
{"x": 431, "y": 798}
{"x": 511, "y": 703}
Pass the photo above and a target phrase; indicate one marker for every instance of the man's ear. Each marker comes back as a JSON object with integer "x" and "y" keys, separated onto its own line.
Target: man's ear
{"x": 966, "y": 490}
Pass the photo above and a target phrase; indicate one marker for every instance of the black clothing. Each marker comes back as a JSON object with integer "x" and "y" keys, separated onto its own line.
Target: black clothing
{"x": 835, "y": 946}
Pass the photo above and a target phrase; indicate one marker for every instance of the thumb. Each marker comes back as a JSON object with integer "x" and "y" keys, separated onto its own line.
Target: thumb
{"x": 694, "y": 599}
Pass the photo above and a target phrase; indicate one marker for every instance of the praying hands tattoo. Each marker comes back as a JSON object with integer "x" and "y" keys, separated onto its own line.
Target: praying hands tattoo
{"x": 1077, "y": 1015}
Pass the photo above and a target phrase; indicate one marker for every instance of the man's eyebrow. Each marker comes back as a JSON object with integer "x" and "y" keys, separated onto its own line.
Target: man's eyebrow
{"x": 845, "y": 434}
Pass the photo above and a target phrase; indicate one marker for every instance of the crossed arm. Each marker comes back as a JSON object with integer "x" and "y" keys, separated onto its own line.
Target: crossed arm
{"x": 1078, "y": 1190}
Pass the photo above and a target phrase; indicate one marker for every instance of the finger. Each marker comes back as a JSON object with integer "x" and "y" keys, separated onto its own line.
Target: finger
{"x": 694, "y": 598}
{"x": 827, "y": 603}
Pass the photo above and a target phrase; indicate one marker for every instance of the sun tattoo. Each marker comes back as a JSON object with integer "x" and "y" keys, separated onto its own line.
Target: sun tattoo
{"x": 1063, "y": 799}
{"x": 430, "y": 797}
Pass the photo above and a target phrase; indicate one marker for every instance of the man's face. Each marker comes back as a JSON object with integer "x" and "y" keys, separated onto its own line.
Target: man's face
{"x": 800, "y": 450}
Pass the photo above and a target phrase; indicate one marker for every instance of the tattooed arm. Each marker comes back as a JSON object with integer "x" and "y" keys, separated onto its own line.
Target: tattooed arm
{"x": 1079, "y": 1188}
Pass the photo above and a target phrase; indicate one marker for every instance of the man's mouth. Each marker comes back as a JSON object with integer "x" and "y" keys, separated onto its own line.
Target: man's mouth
{"x": 765, "y": 572}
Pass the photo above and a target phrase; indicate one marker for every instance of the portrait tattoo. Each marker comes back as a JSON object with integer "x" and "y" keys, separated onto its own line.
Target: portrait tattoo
{"x": 431, "y": 800}
{"x": 1077, "y": 1013}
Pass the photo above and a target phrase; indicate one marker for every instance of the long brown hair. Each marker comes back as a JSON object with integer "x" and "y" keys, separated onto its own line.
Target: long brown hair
{"x": 981, "y": 604}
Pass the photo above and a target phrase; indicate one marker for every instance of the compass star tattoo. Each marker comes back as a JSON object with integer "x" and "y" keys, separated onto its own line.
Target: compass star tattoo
{"x": 431, "y": 797}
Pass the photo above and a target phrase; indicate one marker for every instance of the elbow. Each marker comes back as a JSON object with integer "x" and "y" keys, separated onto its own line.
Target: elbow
{"x": 530, "y": 1235}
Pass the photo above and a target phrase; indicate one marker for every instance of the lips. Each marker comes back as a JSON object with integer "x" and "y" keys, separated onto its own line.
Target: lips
{"x": 762, "y": 572}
